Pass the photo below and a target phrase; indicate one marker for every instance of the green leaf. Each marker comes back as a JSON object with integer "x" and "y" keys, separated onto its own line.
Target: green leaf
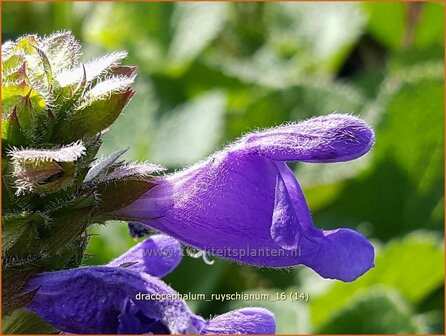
{"x": 12, "y": 134}
{"x": 45, "y": 171}
{"x": 22, "y": 321}
{"x": 13, "y": 95}
{"x": 196, "y": 24}
{"x": 379, "y": 311}
{"x": 20, "y": 236}
{"x": 178, "y": 139}
{"x": 13, "y": 283}
{"x": 100, "y": 166}
{"x": 20, "y": 228}
{"x": 429, "y": 30}
{"x": 62, "y": 50}
{"x": 89, "y": 120}
{"x": 38, "y": 68}
{"x": 92, "y": 69}
{"x": 316, "y": 38}
{"x": 12, "y": 65}
{"x": 147, "y": 35}
{"x": 46, "y": 66}
{"x": 132, "y": 171}
{"x": 399, "y": 24}
{"x": 107, "y": 87}
{"x": 117, "y": 194}
{"x": 414, "y": 266}
{"x": 24, "y": 106}
{"x": 387, "y": 22}
{"x": 26, "y": 44}
{"x": 14, "y": 70}
{"x": 68, "y": 225}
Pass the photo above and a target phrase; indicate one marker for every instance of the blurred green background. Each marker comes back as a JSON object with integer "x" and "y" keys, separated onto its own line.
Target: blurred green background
{"x": 209, "y": 72}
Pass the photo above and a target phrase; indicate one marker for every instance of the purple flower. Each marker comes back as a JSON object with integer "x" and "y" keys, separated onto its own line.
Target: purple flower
{"x": 245, "y": 204}
{"x": 157, "y": 255}
{"x": 104, "y": 299}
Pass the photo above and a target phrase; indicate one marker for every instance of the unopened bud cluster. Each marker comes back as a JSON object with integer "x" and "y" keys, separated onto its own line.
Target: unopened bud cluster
{"x": 54, "y": 112}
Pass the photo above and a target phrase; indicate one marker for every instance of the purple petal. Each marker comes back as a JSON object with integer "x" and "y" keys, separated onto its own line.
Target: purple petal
{"x": 198, "y": 323}
{"x": 160, "y": 203}
{"x": 296, "y": 195}
{"x": 332, "y": 138}
{"x": 133, "y": 321}
{"x": 93, "y": 300}
{"x": 226, "y": 202}
{"x": 286, "y": 226}
{"x": 157, "y": 255}
{"x": 242, "y": 321}
{"x": 341, "y": 254}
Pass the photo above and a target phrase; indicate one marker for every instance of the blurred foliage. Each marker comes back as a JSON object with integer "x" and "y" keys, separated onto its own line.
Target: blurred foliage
{"x": 208, "y": 73}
